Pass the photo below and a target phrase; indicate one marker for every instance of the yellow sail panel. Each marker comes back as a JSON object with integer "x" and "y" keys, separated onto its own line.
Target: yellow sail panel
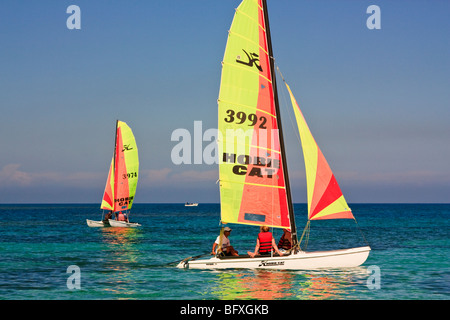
{"x": 325, "y": 199}
{"x": 252, "y": 185}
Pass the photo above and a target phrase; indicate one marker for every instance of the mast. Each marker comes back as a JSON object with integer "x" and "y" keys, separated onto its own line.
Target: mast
{"x": 115, "y": 169}
{"x": 277, "y": 109}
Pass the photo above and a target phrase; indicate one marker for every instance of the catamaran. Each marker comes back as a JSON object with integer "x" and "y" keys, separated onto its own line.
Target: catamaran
{"x": 122, "y": 181}
{"x": 253, "y": 174}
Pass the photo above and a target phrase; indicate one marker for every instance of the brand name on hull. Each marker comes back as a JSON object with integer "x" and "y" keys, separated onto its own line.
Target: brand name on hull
{"x": 271, "y": 263}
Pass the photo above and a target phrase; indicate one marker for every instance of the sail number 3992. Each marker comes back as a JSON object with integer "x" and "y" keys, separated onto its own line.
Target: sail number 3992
{"x": 241, "y": 117}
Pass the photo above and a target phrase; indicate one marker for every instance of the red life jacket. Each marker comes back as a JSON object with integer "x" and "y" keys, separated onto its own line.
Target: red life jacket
{"x": 265, "y": 242}
{"x": 121, "y": 217}
{"x": 284, "y": 243}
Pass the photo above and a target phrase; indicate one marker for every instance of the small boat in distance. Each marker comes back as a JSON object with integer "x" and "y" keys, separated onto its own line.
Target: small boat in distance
{"x": 191, "y": 204}
{"x": 122, "y": 181}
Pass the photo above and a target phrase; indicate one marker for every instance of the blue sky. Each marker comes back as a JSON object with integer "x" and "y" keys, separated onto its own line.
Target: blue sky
{"x": 377, "y": 101}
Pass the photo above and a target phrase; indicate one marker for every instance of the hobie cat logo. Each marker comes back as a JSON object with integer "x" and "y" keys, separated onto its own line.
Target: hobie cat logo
{"x": 253, "y": 58}
{"x": 127, "y": 147}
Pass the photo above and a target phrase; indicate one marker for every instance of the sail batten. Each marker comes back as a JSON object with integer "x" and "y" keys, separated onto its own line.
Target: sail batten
{"x": 250, "y": 107}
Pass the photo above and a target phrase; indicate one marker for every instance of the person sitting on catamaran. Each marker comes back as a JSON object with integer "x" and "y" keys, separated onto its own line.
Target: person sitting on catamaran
{"x": 108, "y": 216}
{"x": 227, "y": 249}
{"x": 122, "y": 217}
{"x": 264, "y": 243}
{"x": 285, "y": 240}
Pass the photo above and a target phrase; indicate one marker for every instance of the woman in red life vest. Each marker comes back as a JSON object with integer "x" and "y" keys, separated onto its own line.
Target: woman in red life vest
{"x": 265, "y": 243}
{"x": 285, "y": 240}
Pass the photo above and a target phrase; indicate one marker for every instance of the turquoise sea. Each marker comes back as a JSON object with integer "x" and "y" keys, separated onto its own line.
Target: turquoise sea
{"x": 45, "y": 247}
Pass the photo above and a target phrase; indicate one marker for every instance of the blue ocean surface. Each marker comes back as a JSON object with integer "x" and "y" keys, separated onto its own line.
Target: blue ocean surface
{"x": 44, "y": 246}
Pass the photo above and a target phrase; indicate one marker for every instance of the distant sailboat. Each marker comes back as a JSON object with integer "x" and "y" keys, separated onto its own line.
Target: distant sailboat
{"x": 254, "y": 183}
{"x": 122, "y": 180}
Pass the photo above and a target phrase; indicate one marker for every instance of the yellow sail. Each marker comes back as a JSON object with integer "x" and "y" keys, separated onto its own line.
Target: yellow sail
{"x": 123, "y": 173}
{"x": 252, "y": 183}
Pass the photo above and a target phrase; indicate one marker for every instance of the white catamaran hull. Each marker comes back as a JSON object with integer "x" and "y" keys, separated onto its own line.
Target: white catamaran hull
{"x": 300, "y": 261}
{"x": 92, "y": 223}
{"x": 123, "y": 224}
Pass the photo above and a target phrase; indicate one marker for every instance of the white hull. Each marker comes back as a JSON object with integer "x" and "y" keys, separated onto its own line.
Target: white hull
{"x": 191, "y": 205}
{"x": 300, "y": 261}
{"x": 92, "y": 223}
{"x": 123, "y": 224}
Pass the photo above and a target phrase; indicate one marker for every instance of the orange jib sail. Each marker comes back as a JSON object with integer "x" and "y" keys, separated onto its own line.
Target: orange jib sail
{"x": 325, "y": 198}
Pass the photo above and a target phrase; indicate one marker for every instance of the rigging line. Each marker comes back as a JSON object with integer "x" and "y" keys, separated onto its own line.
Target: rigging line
{"x": 362, "y": 234}
{"x": 285, "y": 105}
{"x": 305, "y": 232}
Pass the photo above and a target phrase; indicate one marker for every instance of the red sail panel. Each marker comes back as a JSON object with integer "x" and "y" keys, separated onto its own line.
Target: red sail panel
{"x": 121, "y": 180}
{"x": 107, "y": 201}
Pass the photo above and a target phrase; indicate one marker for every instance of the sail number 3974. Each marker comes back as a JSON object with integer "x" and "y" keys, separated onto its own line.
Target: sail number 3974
{"x": 130, "y": 175}
{"x": 241, "y": 117}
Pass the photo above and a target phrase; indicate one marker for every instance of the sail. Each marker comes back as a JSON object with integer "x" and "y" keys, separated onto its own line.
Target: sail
{"x": 325, "y": 198}
{"x": 252, "y": 183}
{"x": 123, "y": 174}
{"x": 108, "y": 195}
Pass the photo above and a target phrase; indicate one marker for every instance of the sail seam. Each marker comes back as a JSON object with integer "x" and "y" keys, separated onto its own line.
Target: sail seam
{"x": 235, "y": 65}
{"x": 248, "y": 39}
{"x": 254, "y": 184}
{"x": 237, "y": 143}
{"x": 247, "y": 106}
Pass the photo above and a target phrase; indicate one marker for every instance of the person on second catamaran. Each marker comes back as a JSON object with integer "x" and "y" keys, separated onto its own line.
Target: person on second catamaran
{"x": 122, "y": 217}
{"x": 108, "y": 216}
{"x": 285, "y": 242}
{"x": 227, "y": 249}
{"x": 264, "y": 243}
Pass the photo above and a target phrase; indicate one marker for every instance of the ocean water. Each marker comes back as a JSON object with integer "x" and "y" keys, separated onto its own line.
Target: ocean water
{"x": 40, "y": 244}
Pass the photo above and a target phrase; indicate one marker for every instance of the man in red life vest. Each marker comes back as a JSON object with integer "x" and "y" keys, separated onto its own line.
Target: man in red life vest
{"x": 264, "y": 243}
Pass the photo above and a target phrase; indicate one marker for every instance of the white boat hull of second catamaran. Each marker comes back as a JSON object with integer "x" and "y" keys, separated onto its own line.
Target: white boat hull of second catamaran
{"x": 92, "y": 223}
{"x": 345, "y": 258}
{"x": 123, "y": 224}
